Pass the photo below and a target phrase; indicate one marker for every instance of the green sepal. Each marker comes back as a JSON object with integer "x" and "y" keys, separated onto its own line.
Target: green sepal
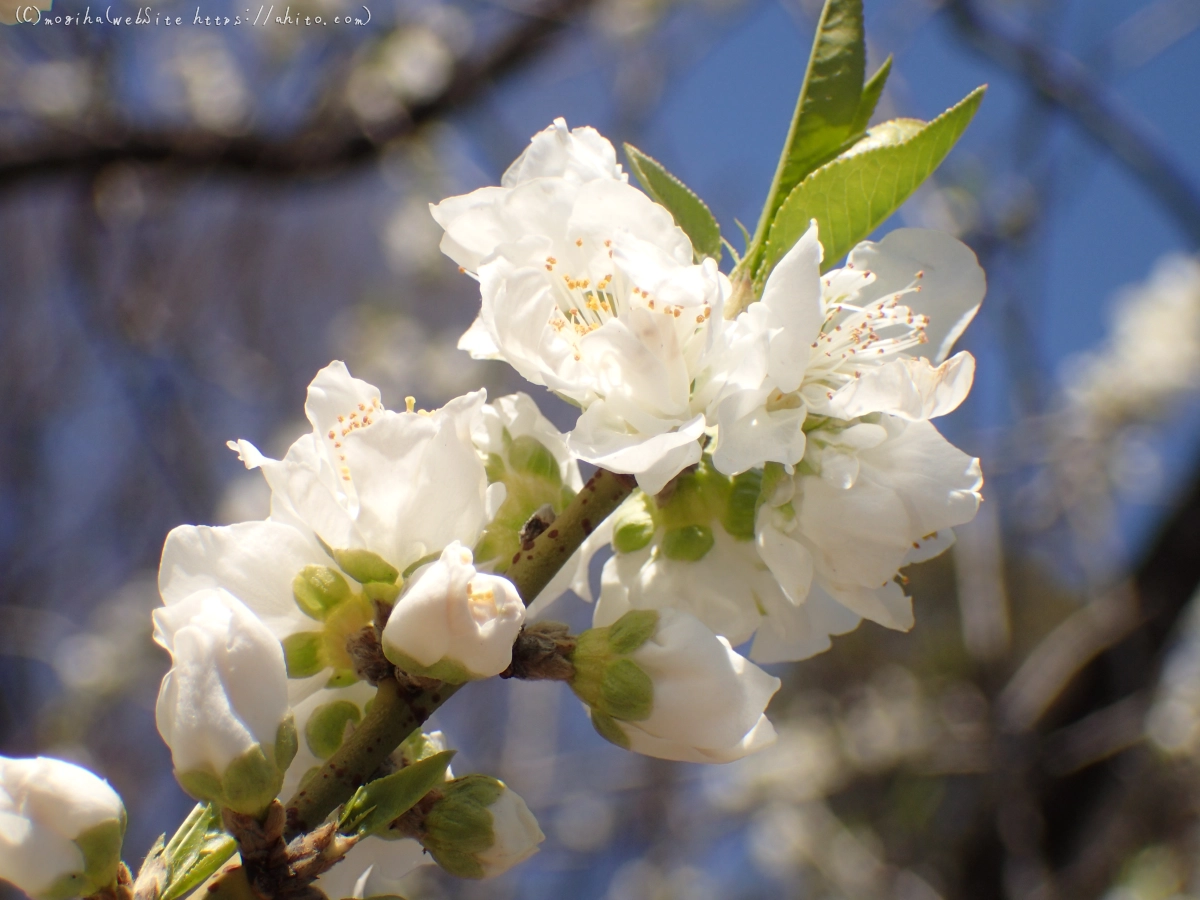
{"x": 318, "y": 589}
{"x": 898, "y": 158}
{"x": 447, "y": 670}
{"x": 590, "y": 657}
{"x": 287, "y": 742}
{"x": 458, "y": 864}
{"x": 326, "y": 726}
{"x": 633, "y": 523}
{"x": 416, "y": 747}
{"x": 364, "y": 566}
{"x": 302, "y": 654}
{"x": 742, "y": 506}
{"x": 460, "y": 825}
{"x": 342, "y": 678}
{"x": 606, "y": 726}
{"x": 248, "y": 785}
{"x": 687, "y": 544}
{"x": 423, "y": 561}
{"x": 381, "y": 591}
{"x": 698, "y": 498}
{"x": 689, "y": 211}
{"x": 632, "y": 630}
{"x": 627, "y": 690}
{"x": 377, "y": 803}
{"x": 495, "y": 468}
{"x": 251, "y": 782}
{"x": 529, "y": 455}
{"x": 101, "y": 849}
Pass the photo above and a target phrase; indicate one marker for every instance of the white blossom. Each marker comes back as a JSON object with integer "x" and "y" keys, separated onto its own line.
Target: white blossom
{"x": 1153, "y": 352}
{"x": 662, "y": 684}
{"x": 61, "y": 829}
{"x": 398, "y": 485}
{"x": 454, "y": 623}
{"x": 790, "y": 559}
{"x": 588, "y": 288}
{"x": 366, "y": 495}
{"x": 732, "y": 591}
{"x": 222, "y": 708}
{"x": 871, "y": 337}
{"x": 873, "y": 497}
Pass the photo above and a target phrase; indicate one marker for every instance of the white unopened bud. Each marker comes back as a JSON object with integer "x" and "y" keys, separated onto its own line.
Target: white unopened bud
{"x": 222, "y": 709}
{"x": 454, "y": 623}
{"x": 659, "y": 682}
{"x": 61, "y": 829}
{"x": 479, "y": 828}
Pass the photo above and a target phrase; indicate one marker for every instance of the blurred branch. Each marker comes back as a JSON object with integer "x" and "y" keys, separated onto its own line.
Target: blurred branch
{"x": 1068, "y": 84}
{"x": 329, "y": 143}
{"x": 1062, "y": 654}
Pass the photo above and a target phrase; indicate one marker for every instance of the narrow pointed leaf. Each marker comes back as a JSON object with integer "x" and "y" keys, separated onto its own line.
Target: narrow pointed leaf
{"x": 828, "y": 106}
{"x": 196, "y": 851}
{"x": 852, "y": 195}
{"x": 378, "y": 802}
{"x": 871, "y": 93}
{"x": 690, "y": 212}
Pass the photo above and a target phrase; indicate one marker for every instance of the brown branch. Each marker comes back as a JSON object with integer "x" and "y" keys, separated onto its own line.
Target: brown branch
{"x": 330, "y": 144}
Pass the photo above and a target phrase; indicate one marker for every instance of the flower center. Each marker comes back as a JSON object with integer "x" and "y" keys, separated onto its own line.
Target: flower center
{"x": 585, "y": 303}
{"x": 481, "y": 600}
{"x": 346, "y": 423}
{"x": 853, "y": 334}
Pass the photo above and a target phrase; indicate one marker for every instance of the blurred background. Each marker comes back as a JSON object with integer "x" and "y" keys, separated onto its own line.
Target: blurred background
{"x": 195, "y": 219}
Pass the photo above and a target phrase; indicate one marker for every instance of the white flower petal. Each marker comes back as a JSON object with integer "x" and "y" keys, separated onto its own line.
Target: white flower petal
{"x": 952, "y": 283}
{"x": 910, "y": 388}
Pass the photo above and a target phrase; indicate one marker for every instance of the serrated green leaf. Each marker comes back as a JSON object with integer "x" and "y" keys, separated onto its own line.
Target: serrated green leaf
{"x": 855, "y": 193}
{"x": 689, "y": 211}
{"x": 379, "y": 802}
{"x": 871, "y": 93}
{"x": 828, "y": 106}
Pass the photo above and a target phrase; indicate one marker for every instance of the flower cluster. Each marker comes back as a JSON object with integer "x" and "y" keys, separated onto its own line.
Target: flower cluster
{"x": 393, "y": 530}
{"x": 786, "y": 461}
{"x": 787, "y": 470}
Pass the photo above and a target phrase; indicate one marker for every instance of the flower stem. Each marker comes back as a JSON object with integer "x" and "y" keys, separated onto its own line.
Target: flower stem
{"x": 399, "y": 710}
{"x": 396, "y": 712}
{"x": 532, "y": 569}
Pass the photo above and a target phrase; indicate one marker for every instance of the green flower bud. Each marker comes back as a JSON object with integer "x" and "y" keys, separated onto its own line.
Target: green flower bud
{"x": 230, "y": 745}
{"x": 479, "y": 828}
{"x": 606, "y": 679}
